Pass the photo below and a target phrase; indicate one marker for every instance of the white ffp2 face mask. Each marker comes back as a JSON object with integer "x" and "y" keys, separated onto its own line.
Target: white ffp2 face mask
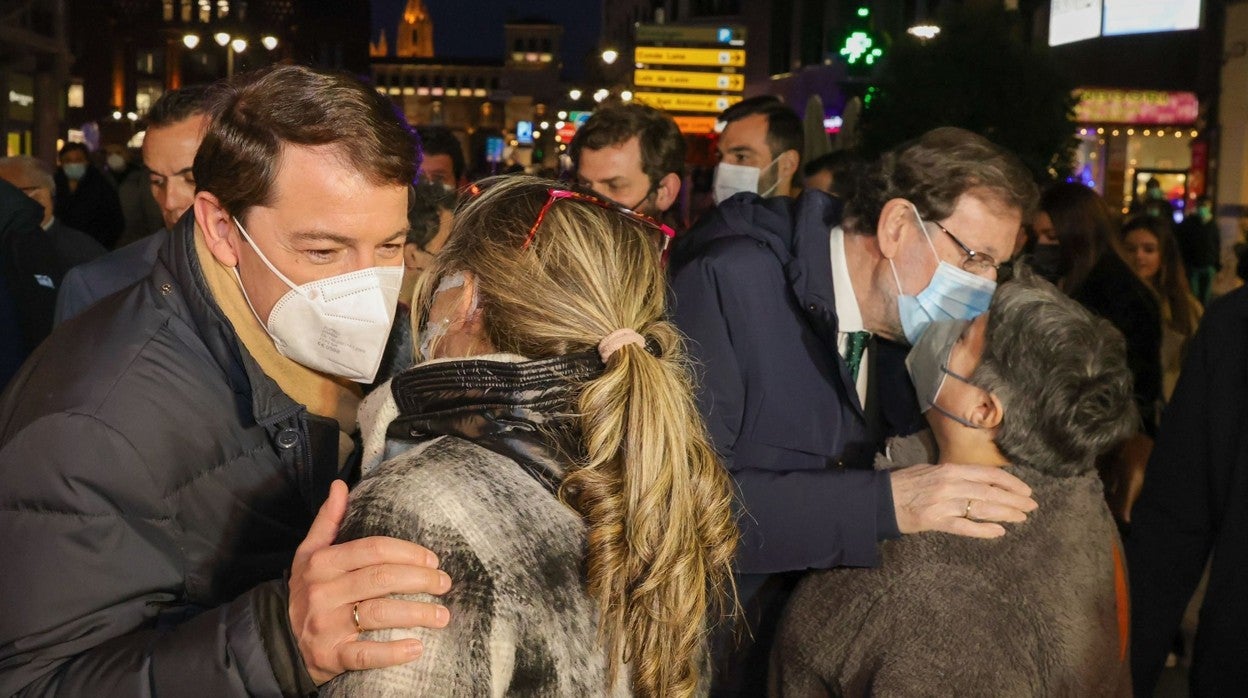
{"x": 339, "y": 325}
{"x": 732, "y": 179}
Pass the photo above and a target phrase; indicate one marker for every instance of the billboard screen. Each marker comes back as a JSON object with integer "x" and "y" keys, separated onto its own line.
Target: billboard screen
{"x": 1146, "y": 16}
{"x": 1073, "y": 20}
{"x": 524, "y": 132}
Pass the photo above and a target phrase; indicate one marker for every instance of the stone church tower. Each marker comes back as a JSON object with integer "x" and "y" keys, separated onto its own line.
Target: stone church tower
{"x": 380, "y": 49}
{"x": 415, "y": 35}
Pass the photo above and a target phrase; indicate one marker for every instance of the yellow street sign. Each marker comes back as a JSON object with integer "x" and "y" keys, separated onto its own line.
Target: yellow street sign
{"x": 651, "y": 55}
{"x": 695, "y": 124}
{"x": 689, "y": 80}
{"x": 673, "y": 101}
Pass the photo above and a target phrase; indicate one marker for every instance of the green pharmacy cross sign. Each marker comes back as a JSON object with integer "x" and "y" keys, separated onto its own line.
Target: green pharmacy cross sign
{"x": 860, "y": 47}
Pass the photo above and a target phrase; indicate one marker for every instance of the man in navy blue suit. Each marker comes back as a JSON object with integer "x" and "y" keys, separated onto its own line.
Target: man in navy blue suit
{"x": 801, "y": 313}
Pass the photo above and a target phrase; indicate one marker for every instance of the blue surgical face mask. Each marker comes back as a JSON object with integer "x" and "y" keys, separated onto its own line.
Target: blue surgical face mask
{"x": 952, "y": 294}
{"x": 75, "y": 170}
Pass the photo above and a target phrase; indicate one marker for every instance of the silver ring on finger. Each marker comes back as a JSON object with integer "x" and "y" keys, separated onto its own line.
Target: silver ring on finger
{"x": 966, "y": 514}
{"x": 355, "y": 615}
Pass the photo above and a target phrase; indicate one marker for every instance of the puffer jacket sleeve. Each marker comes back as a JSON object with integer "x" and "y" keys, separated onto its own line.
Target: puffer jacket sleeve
{"x": 92, "y": 578}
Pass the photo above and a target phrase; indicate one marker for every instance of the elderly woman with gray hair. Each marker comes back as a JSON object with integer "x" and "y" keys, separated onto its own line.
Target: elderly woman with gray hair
{"x": 1037, "y": 385}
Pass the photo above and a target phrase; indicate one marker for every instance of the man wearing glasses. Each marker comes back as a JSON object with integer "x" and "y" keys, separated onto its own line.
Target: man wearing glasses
{"x": 801, "y": 314}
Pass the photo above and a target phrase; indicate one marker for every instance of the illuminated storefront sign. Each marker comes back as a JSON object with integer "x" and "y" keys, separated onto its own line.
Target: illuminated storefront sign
{"x": 1135, "y": 107}
{"x": 21, "y": 97}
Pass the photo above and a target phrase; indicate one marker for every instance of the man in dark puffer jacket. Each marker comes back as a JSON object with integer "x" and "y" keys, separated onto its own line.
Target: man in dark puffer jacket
{"x": 163, "y": 455}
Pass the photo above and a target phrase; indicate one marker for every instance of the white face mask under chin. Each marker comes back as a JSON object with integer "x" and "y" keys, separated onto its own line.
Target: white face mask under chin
{"x": 339, "y": 325}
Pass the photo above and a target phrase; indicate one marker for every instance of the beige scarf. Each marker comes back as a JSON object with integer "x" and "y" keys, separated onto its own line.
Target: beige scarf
{"x": 323, "y": 395}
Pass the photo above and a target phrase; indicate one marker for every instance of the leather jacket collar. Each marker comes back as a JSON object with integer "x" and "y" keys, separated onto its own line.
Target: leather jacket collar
{"x": 523, "y": 410}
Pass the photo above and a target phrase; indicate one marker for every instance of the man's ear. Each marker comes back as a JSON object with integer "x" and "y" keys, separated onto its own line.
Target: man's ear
{"x": 896, "y": 222}
{"x": 217, "y": 227}
{"x": 667, "y": 191}
{"x": 787, "y": 166}
{"x": 987, "y": 412}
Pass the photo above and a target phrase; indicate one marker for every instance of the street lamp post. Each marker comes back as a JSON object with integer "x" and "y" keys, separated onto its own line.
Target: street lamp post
{"x": 232, "y": 44}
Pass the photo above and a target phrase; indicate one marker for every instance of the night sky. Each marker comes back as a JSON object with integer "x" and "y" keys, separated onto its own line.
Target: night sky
{"x": 474, "y": 28}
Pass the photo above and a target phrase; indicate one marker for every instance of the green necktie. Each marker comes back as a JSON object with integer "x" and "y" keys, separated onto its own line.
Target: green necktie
{"x": 853, "y": 351}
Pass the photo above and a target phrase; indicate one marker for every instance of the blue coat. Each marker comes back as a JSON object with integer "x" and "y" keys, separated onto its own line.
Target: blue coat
{"x": 752, "y": 288}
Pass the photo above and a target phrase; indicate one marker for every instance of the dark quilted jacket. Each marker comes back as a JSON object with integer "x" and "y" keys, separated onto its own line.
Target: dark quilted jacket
{"x": 154, "y": 484}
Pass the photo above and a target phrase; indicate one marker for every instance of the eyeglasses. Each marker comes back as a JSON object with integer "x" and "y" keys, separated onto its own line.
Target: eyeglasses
{"x": 665, "y": 231}
{"x": 977, "y": 263}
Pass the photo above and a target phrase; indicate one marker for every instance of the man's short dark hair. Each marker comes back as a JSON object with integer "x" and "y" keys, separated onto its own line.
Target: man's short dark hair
{"x": 178, "y": 105}
{"x": 934, "y": 171}
{"x": 424, "y": 214}
{"x": 71, "y": 146}
{"x": 1061, "y": 374}
{"x": 438, "y": 140}
{"x": 843, "y": 165}
{"x": 784, "y": 128}
{"x": 254, "y": 116}
{"x": 661, "y": 143}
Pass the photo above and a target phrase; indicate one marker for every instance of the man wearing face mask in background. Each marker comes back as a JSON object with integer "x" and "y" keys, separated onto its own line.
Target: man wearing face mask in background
{"x": 84, "y": 199}
{"x": 175, "y": 126}
{"x": 633, "y": 155}
{"x": 177, "y": 446}
{"x": 759, "y": 147}
{"x": 800, "y": 317}
{"x": 140, "y": 210}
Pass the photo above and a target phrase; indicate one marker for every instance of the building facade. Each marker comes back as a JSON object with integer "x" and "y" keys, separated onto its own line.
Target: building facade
{"x": 481, "y": 101}
{"x": 34, "y": 64}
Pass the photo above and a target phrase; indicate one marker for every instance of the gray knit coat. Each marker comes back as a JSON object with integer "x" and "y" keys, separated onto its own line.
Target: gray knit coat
{"x": 470, "y": 468}
{"x": 1034, "y": 613}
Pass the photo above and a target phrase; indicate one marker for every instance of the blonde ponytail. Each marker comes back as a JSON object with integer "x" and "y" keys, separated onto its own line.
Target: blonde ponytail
{"x": 658, "y": 505}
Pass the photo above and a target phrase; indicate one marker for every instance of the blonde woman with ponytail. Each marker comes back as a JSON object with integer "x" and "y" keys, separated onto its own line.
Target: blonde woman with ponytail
{"x": 548, "y": 449}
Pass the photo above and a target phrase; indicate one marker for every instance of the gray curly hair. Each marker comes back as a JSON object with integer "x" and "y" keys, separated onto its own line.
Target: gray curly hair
{"x": 1062, "y": 375}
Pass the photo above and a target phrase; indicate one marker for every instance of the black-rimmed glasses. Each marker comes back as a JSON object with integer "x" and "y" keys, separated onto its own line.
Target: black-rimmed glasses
{"x": 977, "y": 263}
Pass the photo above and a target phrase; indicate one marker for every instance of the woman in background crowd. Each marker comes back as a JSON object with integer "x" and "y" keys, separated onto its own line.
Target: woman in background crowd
{"x": 1153, "y": 254}
{"x": 549, "y": 451}
{"x": 1094, "y": 273}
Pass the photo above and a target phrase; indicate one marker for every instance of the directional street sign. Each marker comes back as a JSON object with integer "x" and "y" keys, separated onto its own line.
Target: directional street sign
{"x": 689, "y": 56}
{"x": 689, "y": 80}
{"x": 675, "y": 101}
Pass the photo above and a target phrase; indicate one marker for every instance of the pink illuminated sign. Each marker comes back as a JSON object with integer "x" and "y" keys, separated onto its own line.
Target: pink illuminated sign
{"x": 1135, "y": 107}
